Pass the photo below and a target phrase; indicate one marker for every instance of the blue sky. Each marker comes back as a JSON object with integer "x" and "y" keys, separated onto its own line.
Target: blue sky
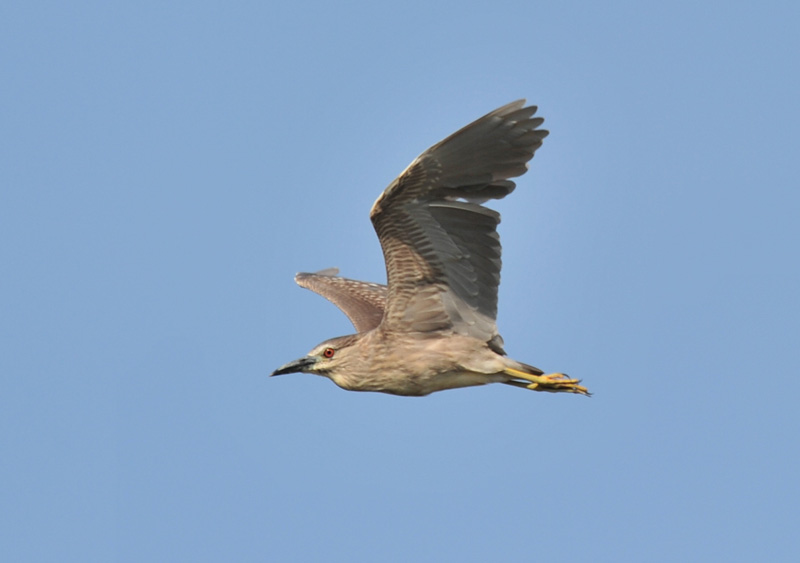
{"x": 165, "y": 169}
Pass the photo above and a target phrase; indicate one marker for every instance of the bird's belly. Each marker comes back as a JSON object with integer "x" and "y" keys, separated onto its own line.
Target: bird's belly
{"x": 420, "y": 385}
{"x": 454, "y": 380}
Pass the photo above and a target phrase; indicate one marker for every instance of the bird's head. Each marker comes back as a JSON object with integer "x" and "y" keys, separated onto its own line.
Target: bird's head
{"x": 324, "y": 359}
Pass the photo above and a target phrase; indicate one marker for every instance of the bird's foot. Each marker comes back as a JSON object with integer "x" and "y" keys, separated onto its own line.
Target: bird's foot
{"x": 557, "y": 383}
{"x": 550, "y": 382}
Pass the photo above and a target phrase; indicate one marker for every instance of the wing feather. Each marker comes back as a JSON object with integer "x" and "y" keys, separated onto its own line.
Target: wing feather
{"x": 362, "y": 302}
{"x": 442, "y": 251}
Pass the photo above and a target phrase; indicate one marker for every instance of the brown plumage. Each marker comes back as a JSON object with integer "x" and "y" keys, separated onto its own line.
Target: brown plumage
{"x": 433, "y": 327}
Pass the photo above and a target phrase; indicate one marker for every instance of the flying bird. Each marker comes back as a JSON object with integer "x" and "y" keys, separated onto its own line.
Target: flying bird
{"x": 433, "y": 325}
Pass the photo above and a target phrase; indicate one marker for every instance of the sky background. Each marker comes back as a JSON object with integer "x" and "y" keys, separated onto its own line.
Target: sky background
{"x": 166, "y": 168}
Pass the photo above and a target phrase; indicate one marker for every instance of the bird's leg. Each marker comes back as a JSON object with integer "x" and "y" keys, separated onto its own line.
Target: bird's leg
{"x": 550, "y": 382}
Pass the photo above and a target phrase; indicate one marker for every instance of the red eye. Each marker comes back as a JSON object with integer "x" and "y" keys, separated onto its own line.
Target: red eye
{"x": 328, "y": 353}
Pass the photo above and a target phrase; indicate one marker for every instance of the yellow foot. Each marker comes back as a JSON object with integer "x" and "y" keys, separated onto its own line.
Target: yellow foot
{"x": 550, "y": 382}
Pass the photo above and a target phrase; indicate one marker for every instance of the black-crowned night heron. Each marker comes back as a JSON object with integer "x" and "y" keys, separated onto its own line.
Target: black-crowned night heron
{"x": 432, "y": 327}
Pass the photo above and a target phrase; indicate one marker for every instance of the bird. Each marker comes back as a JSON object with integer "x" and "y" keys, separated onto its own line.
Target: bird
{"x": 432, "y": 326}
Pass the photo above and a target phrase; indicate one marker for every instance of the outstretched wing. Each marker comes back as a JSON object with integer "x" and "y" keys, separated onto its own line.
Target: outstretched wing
{"x": 362, "y": 302}
{"x": 440, "y": 244}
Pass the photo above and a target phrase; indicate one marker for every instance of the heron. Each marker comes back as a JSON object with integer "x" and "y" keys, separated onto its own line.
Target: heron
{"x": 433, "y": 325}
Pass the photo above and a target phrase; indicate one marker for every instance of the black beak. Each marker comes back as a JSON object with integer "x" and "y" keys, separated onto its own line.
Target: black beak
{"x": 295, "y": 366}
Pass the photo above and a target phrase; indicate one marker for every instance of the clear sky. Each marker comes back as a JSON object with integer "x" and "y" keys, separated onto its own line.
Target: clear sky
{"x": 166, "y": 168}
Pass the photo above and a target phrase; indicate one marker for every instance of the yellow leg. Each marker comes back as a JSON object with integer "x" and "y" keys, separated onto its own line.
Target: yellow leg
{"x": 550, "y": 382}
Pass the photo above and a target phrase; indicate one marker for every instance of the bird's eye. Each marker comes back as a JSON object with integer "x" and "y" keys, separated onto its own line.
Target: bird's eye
{"x": 328, "y": 353}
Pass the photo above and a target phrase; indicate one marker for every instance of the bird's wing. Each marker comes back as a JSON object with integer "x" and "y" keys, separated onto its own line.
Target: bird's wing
{"x": 441, "y": 246}
{"x": 362, "y": 302}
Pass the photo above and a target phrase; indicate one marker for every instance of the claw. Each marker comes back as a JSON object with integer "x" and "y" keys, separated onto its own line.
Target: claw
{"x": 551, "y": 382}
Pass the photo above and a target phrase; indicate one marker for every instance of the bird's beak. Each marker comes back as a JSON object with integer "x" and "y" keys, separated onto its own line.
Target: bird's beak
{"x": 295, "y": 366}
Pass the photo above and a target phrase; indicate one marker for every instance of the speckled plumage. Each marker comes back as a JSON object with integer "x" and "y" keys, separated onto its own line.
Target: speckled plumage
{"x": 433, "y": 327}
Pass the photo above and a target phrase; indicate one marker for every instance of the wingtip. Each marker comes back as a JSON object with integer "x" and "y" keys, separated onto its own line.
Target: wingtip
{"x": 331, "y": 272}
{"x": 328, "y": 272}
{"x": 509, "y": 107}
